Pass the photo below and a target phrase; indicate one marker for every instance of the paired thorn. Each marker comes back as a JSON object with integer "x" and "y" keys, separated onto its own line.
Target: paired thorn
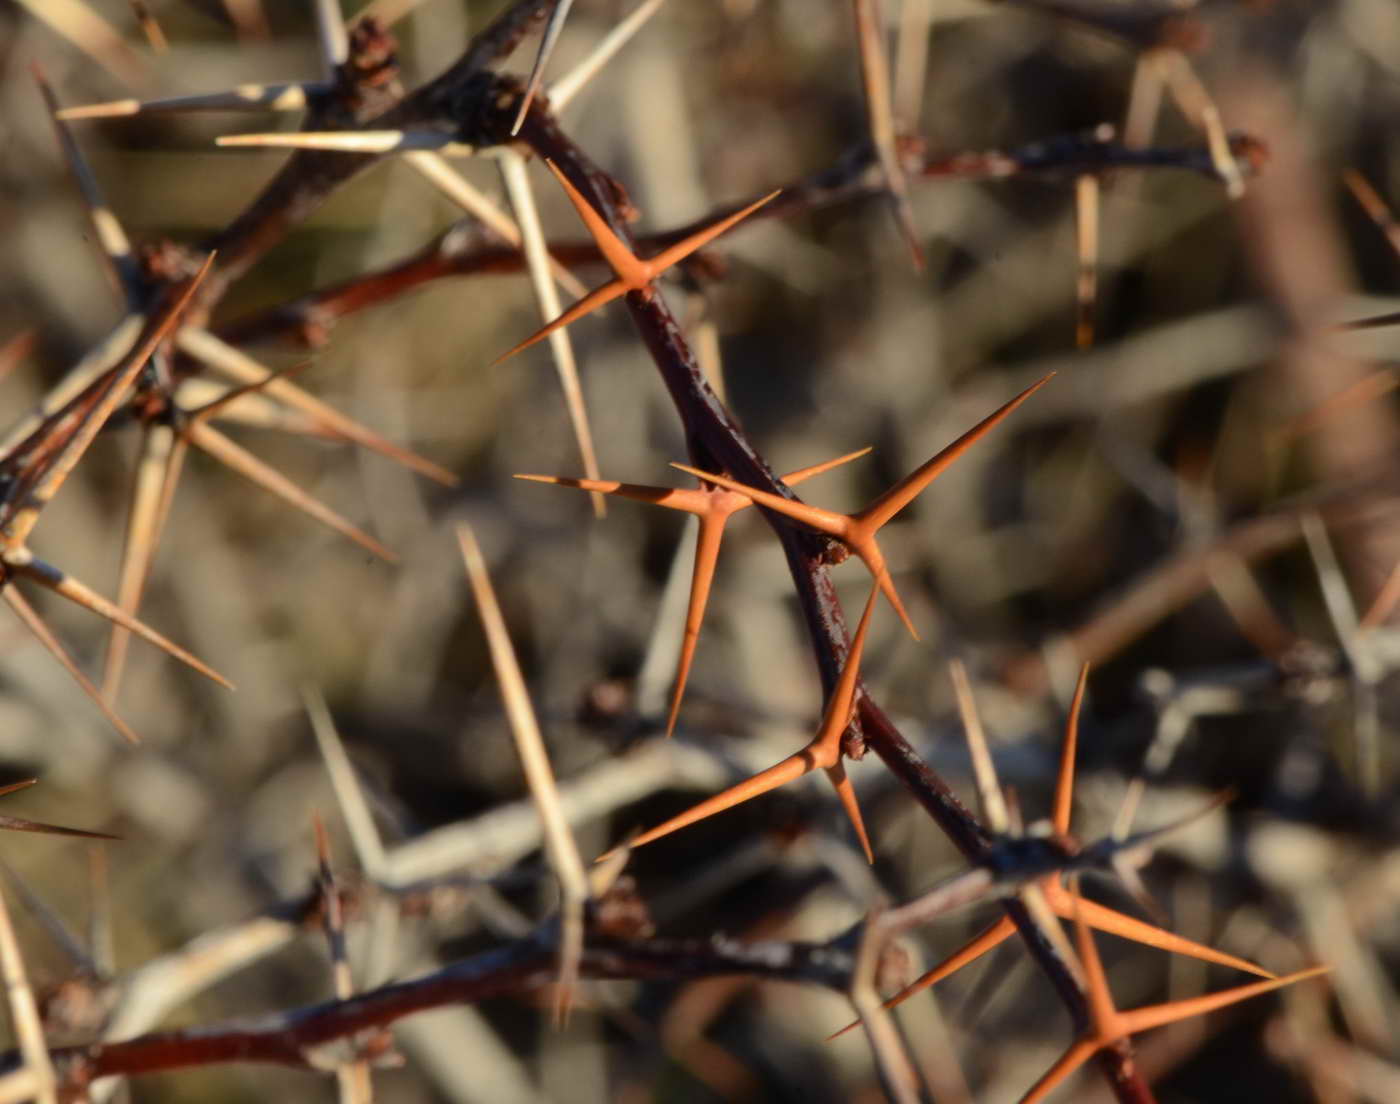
{"x": 824, "y": 751}
{"x": 1109, "y": 1026}
{"x": 858, "y": 531}
{"x": 714, "y": 507}
{"x": 20, "y": 824}
{"x": 1061, "y": 901}
{"x": 632, "y": 272}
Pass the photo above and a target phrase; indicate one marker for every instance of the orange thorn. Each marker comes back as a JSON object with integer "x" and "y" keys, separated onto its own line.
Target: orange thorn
{"x": 632, "y": 272}
{"x": 714, "y": 507}
{"x": 1064, "y": 784}
{"x": 858, "y": 531}
{"x": 824, "y": 751}
{"x": 1108, "y": 1025}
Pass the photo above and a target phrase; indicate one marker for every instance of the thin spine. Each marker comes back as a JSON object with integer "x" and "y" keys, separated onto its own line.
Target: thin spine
{"x": 24, "y": 1012}
{"x": 563, "y": 91}
{"x": 359, "y": 821}
{"x": 142, "y": 538}
{"x": 522, "y": 197}
{"x": 552, "y": 30}
{"x": 559, "y": 841}
{"x": 36, "y": 625}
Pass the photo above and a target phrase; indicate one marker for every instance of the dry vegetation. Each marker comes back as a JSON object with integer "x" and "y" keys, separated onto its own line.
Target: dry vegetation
{"x": 1199, "y": 505}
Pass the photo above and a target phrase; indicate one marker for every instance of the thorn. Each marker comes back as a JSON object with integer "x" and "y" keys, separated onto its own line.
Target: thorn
{"x": 858, "y": 531}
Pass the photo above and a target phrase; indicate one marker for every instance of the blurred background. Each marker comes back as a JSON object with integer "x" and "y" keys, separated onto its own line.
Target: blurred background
{"x": 1201, "y": 504}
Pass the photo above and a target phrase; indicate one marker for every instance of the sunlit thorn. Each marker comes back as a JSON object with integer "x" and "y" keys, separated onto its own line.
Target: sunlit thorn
{"x": 108, "y": 231}
{"x": 358, "y": 141}
{"x": 562, "y": 91}
{"x": 548, "y": 39}
{"x": 1108, "y": 1025}
{"x": 287, "y": 96}
{"x": 1065, "y": 905}
{"x": 714, "y": 507}
{"x": 114, "y": 390}
{"x": 875, "y": 77}
{"x": 238, "y": 459}
{"x": 858, "y": 531}
{"x": 824, "y": 751}
{"x": 1086, "y": 194}
{"x": 560, "y": 846}
{"x": 632, "y": 273}
{"x": 80, "y": 594}
{"x": 36, "y": 625}
{"x": 20, "y": 824}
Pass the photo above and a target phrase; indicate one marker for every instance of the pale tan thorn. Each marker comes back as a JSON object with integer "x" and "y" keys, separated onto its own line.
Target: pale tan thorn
{"x": 1063, "y": 804}
{"x": 1196, "y": 104}
{"x": 974, "y": 949}
{"x": 910, "y": 63}
{"x": 560, "y": 845}
{"x": 353, "y": 1076}
{"x": 77, "y": 22}
{"x": 562, "y": 91}
{"x": 81, "y": 594}
{"x": 439, "y": 172}
{"x": 875, "y": 77}
{"x": 35, "y": 624}
{"x": 24, "y": 1012}
{"x": 624, "y": 263}
{"x": 1086, "y": 294}
{"x": 150, "y": 27}
{"x": 331, "y": 35}
{"x": 153, "y": 333}
{"x": 142, "y": 537}
{"x": 359, "y": 820}
{"x": 547, "y": 41}
{"x": 112, "y": 239}
{"x": 907, "y": 489}
{"x": 246, "y": 464}
{"x": 886, "y": 1043}
{"x": 1047, "y": 924}
{"x": 983, "y": 770}
{"x": 19, "y": 1086}
{"x": 93, "y": 364}
{"x": 289, "y": 96}
{"x": 522, "y": 197}
{"x": 243, "y": 369}
{"x": 358, "y": 141}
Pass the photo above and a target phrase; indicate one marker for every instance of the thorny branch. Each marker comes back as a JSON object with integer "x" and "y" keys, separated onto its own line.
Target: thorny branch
{"x": 479, "y": 108}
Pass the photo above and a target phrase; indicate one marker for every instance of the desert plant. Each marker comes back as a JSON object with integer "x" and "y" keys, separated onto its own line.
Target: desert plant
{"x": 1173, "y": 483}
